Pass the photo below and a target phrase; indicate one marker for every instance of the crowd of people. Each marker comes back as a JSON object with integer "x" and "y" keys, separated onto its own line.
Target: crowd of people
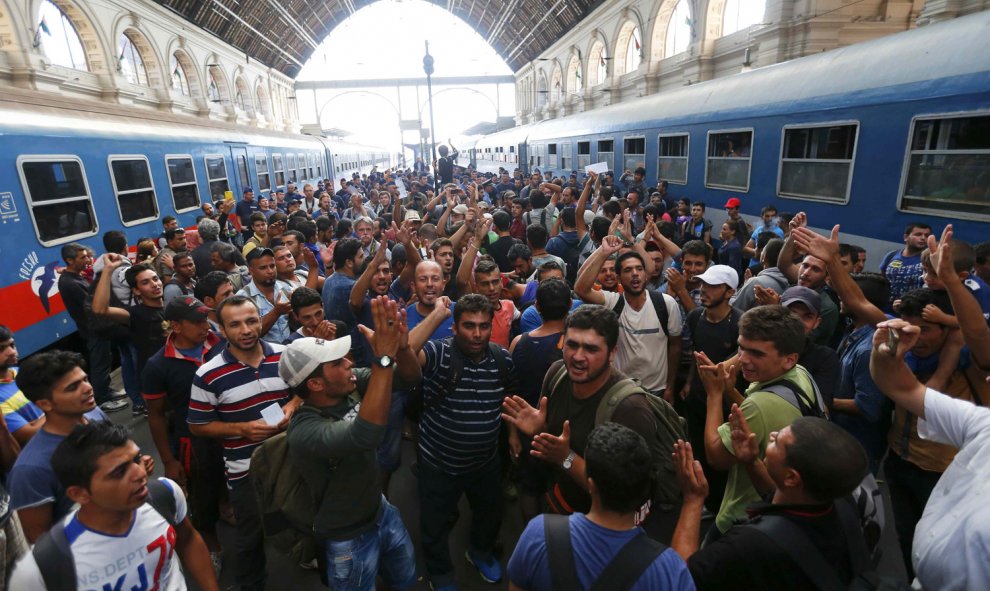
{"x": 671, "y": 405}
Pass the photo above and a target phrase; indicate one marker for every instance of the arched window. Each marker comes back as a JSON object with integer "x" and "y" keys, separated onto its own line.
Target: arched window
{"x": 239, "y": 100}
{"x": 179, "y": 81}
{"x": 213, "y": 88}
{"x": 541, "y": 92}
{"x": 679, "y": 29}
{"x": 58, "y": 38}
{"x": 574, "y": 83}
{"x": 602, "y": 66}
{"x": 634, "y": 51}
{"x": 740, "y": 14}
{"x": 129, "y": 62}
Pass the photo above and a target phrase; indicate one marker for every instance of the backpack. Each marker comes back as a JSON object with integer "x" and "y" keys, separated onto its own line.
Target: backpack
{"x": 53, "y": 553}
{"x": 803, "y": 552}
{"x": 789, "y": 391}
{"x": 101, "y": 325}
{"x": 666, "y": 493}
{"x": 659, "y": 304}
{"x": 417, "y": 403}
{"x": 288, "y": 504}
{"x": 571, "y": 255}
{"x": 620, "y": 574}
{"x": 528, "y": 218}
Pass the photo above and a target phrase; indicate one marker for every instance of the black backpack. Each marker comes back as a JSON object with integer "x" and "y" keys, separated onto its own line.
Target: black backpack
{"x": 100, "y": 325}
{"x": 53, "y": 553}
{"x": 791, "y": 392}
{"x": 621, "y": 573}
{"x": 571, "y": 255}
{"x": 659, "y": 304}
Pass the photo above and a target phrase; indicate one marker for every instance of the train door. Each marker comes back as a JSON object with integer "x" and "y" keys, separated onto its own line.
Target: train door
{"x": 242, "y": 171}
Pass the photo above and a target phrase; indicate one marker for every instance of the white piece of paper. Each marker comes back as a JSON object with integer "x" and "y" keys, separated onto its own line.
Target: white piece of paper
{"x": 273, "y": 414}
{"x": 598, "y": 168}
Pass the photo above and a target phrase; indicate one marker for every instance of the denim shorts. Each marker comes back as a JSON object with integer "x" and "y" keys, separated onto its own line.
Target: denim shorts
{"x": 385, "y": 549}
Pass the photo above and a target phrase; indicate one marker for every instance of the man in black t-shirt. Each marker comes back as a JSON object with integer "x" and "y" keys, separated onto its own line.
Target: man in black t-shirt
{"x": 714, "y": 329}
{"x": 445, "y": 165}
{"x": 145, "y": 319}
{"x": 499, "y": 250}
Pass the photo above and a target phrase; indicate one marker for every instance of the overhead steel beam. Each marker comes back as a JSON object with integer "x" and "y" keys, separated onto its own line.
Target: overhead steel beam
{"x": 447, "y": 81}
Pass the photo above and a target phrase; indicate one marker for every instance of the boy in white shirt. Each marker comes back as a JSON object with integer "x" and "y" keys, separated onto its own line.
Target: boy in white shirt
{"x": 128, "y": 532}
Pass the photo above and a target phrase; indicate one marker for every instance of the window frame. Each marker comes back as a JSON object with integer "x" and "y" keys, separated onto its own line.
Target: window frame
{"x": 906, "y": 166}
{"x": 598, "y": 152}
{"x": 171, "y": 184}
{"x": 687, "y": 156}
{"x": 111, "y": 158}
{"x": 278, "y": 159}
{"x": 815, "y": 125}
{"x": 262, "y": 156}
{"x": 626, "y": 138}
{"x": 210, "y": 180}
{"x": 55, "y": 158}
{"x": 749, "y": 169}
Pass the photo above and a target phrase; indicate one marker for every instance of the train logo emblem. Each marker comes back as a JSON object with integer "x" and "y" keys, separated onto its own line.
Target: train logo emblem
{"x": 43, "y": 278}
{"x": 8, "y": 209}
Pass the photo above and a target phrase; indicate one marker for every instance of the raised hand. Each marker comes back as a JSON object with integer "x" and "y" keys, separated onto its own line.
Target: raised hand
{"x": 521, "y": 414}
{"x": 744, "y": 443}
{"x": 388, "y": 322}
{"x": 765, "y": 296}
{"x": 815, "y": 244}
{"x": 694, "y": 485}
{"x": 610, "y": 245}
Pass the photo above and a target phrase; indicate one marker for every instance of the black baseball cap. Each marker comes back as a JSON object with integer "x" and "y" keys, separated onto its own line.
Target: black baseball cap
{"x": 186, "y": 308}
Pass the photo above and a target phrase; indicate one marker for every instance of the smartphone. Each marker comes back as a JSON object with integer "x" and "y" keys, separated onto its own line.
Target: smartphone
{"x": 228, "y": 195}
{"x": 892, "y": 340}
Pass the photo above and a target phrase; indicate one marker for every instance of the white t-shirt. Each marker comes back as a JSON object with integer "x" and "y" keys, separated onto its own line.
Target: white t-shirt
{"x": 145, "y": 558}
{"x": 642, "y": 349}
{"x": 952, "y": 536}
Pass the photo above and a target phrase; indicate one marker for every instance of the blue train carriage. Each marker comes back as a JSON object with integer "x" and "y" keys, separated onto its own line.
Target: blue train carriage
{"x": 505, "y": 149}
{"x": 871, "y": 136}
{"x": 69, "y": 175}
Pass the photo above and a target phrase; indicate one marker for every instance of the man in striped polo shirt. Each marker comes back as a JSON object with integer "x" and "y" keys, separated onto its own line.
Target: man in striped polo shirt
{"x": 227, "y": 397}
{"x": 458, "y": 435}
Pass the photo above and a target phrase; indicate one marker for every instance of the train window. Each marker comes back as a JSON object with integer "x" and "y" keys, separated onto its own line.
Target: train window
{"x": 131, "y": 176}
{"x": 566, "y": 160}
{"x": 261, "y": 165}
{"x": 552, "y": 156}
{"x": 633, "y": 153}
{"x": 729, "y": 159}
{"x": 672, "y": 159}
{"x": 279, "y": 170}
{"x": 606, "y": 151}
{"x": 290, "y": 163}
{"x": 584, "y": 154}
{"x": 303, "y": 174}
{"x": 182, "y": 179}
{"x": 58, "y": 196}
{"x": 216, "y": 175}
{"x": 817, "y": 162}
{"x": 948, "y": 167}
{"x": 242, "y": 170}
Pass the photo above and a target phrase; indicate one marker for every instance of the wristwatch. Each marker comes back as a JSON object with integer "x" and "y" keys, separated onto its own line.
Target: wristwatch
{"x": 384, "y": 361}
{"x": 568, "y": 461}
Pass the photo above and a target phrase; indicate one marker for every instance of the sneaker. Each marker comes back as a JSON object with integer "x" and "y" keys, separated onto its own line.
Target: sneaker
{"x": 117, "y": 394}
{"x": 489, "y": 569}
{"x": 139, "y": 411}
{"x": 309, "y": 565}
{"x": 113, "y": 405}
{"x": 217, "y": 559}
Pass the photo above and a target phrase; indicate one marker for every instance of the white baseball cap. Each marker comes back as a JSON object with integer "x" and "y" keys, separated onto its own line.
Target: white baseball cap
{"x": 720, "y": 275}
{"x": 302, "y": 356}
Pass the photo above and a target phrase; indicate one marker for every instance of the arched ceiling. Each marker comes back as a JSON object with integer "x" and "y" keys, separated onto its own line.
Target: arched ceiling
{"x": 283, "y": 34}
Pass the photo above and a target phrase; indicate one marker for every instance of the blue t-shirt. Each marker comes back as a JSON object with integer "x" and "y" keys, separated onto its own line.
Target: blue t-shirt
{"x": 903, "y": 273}
{"x": 446, "y": 328}
{"x": 32, "y": 480}
{"x": 531, "y": 319}
{"x": 337, "y": 299}
{"x": 243, "y": 210}
{"x": 17, "y": 410}
{"x": 856, "y": 384}
{"x": 594, "y": 547}
{"x": 980, "y": 291}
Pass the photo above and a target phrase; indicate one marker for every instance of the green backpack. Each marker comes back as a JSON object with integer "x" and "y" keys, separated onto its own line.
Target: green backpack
{"x": 670, "y": 427}
{"x": 287, "y": 503}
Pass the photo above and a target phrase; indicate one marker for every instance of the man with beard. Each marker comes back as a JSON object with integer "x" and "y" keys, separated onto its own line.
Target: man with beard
{"x": 568, "y": 406}
{"x": 486, "y": 279}
{"x": 241, "y": 380}
{"x": 714, "y": 329}
{"x": 649, "y": 346}
{"x": 445, "y": 256}
{"x": 348, "y": 264}
{"x": 183, "y": 280}
{"x": 811, "y": 273}
{"x": 269, "y": 294}
{"x": 144, "y": 318}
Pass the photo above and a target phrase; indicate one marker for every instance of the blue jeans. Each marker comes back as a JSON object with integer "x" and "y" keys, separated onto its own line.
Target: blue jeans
{"x": 387, "y": 548}
{"x": 129, "y": 373}
{"x": 390, "y": 449}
